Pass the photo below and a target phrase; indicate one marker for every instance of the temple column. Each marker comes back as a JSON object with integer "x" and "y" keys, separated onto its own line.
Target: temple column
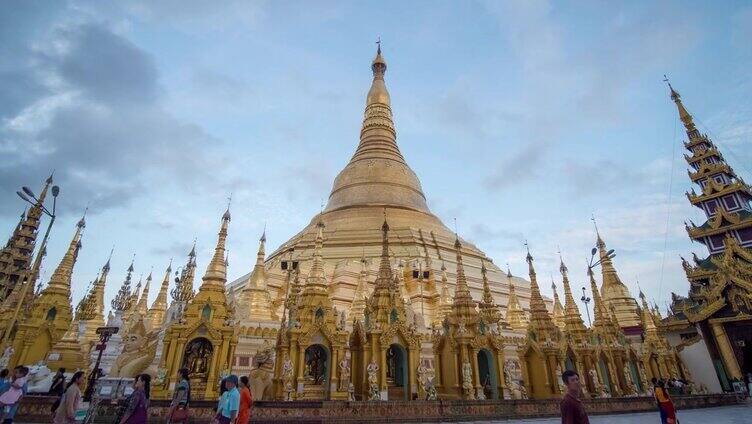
{"x": 438, "y": 381}
{"x": 333, "y": 379}
{"x": 727, "y": 352}
{"x": 301, "y": 366}
{"x": 382, "y": 368}
{"x": 583, "y": 376}
{"x": 502, "y": 382}
{"x": 412, "y": 387}
{"x": 476, "y": 370}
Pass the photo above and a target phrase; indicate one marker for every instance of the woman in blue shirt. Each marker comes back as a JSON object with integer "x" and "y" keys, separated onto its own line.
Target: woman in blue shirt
{"x": 229, "y": 402}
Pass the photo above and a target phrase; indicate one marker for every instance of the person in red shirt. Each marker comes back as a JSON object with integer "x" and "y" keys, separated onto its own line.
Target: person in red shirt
{"x": 244, "y": 415}
{"x": 572, "y": 409}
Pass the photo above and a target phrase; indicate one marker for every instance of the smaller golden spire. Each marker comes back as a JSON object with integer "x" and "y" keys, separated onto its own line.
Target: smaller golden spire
{"x": 216, "y": 271}
{"x": 685, "y": 117}
{"x": 61, "y": 278}
{"x": 123, "y": 299}
{"x": 461, "y": 290}
{"x": 158, "y": 309}
{"x": 142, "y": 306}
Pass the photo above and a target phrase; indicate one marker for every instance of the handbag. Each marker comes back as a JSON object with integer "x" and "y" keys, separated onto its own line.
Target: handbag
{"x": 180, "y": 414}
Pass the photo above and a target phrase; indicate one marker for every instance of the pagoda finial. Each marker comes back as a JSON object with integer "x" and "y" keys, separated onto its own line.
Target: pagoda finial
{"x": 685, "y": 117}
{"x": 216, "y": 271}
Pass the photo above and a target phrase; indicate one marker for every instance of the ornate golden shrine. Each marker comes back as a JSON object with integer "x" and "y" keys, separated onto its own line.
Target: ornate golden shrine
{"x": 719, "y": 302}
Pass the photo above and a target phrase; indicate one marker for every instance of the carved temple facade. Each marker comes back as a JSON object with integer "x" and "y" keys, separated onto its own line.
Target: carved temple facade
{"x": 376, "y": 299}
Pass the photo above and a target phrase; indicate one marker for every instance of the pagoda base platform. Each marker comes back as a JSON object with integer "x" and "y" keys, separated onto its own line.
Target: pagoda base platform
{"x": 36, "y": 409}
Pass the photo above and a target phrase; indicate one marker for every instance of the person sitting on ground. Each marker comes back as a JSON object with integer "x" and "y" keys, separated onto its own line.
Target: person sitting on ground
{"x": 572, "y": 409}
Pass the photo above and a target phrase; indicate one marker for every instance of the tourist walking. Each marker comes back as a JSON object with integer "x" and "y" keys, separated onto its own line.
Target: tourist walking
{"x": 229, "y": 402}
{"x": 246, "y": 400}
{"x": 66, "y": 410}
{"x": 57, "y": 387}
{"x": 665, "y": 404}
{"x": 572, "y": 409}
{"x": 15, "y": 391}
{"x": 179, "y": 409}
{"x": 136, "y": 412}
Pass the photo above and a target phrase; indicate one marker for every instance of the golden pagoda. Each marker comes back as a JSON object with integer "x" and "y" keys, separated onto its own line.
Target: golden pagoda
{"x": 541, "y": 352}
{"x": 616, "y": 295}
{"x": 51, "y": 314}
{"x": 576, "y": 346}
{"x": 717, "y": 308}
{"x": 611, "y": 353}
{"x": 204, "y": 339}
{"x": 376, "y": 179}
{"x": 255, "y": 304}
{"x": 658, "y": 357}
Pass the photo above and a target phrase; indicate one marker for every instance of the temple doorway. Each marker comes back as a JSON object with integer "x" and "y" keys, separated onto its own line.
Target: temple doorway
{"x": 396, "y": 372}
{"x": 197, "y": 359}
{"x": 487, "y": 371}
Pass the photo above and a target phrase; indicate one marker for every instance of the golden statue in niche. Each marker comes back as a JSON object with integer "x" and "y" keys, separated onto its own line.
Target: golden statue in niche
{"x": 198, "y": 354}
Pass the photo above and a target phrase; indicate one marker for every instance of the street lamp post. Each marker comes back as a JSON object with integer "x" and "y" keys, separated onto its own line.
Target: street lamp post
{"x": 586, "y": 301}
{"x": 104, "y": 335}
{"x": 27, "y": 195}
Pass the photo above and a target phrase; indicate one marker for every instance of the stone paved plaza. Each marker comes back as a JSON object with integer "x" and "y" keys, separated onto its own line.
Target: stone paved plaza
{"x": 738, "y": 414}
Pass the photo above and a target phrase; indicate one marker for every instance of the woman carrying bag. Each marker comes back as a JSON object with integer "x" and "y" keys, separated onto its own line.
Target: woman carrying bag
{"x": 179, "y": 412}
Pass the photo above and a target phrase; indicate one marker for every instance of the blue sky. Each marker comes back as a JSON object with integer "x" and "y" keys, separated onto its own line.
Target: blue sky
{"x": 520, "y": 118}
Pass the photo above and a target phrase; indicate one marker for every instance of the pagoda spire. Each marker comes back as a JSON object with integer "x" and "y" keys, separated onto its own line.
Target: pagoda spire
{"x": 15, "y": 257}
{"x": 651, "y": 331}
{"x": 724, "y": 197}
{"x": 255, "y": 295}
{"x": 461, "y": 290}
{"x": 445, "y": 299}
{"x": 183, "y": 290}
{"x": 516, "y": 316}
{"x": 541, "y": 323}
{"x": 216, "y": 272}
{"x": 123, "y": 299}
{"x": 93, "y": 308}
{"x": 685, "y": 117}
{"x": 358, "y": 304}
{"x": 615, "y": 294}
{"x": 142, "y": 306}
{"x": 558, "y": 310}
{"x": 572, "y": 316}
{"x": 60, "y": 281}
{"x": 383, "y": 176}
{"x": 489, "y": 311}
{"x": 316, "y": 281}
{"x": 158, "y": 309}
